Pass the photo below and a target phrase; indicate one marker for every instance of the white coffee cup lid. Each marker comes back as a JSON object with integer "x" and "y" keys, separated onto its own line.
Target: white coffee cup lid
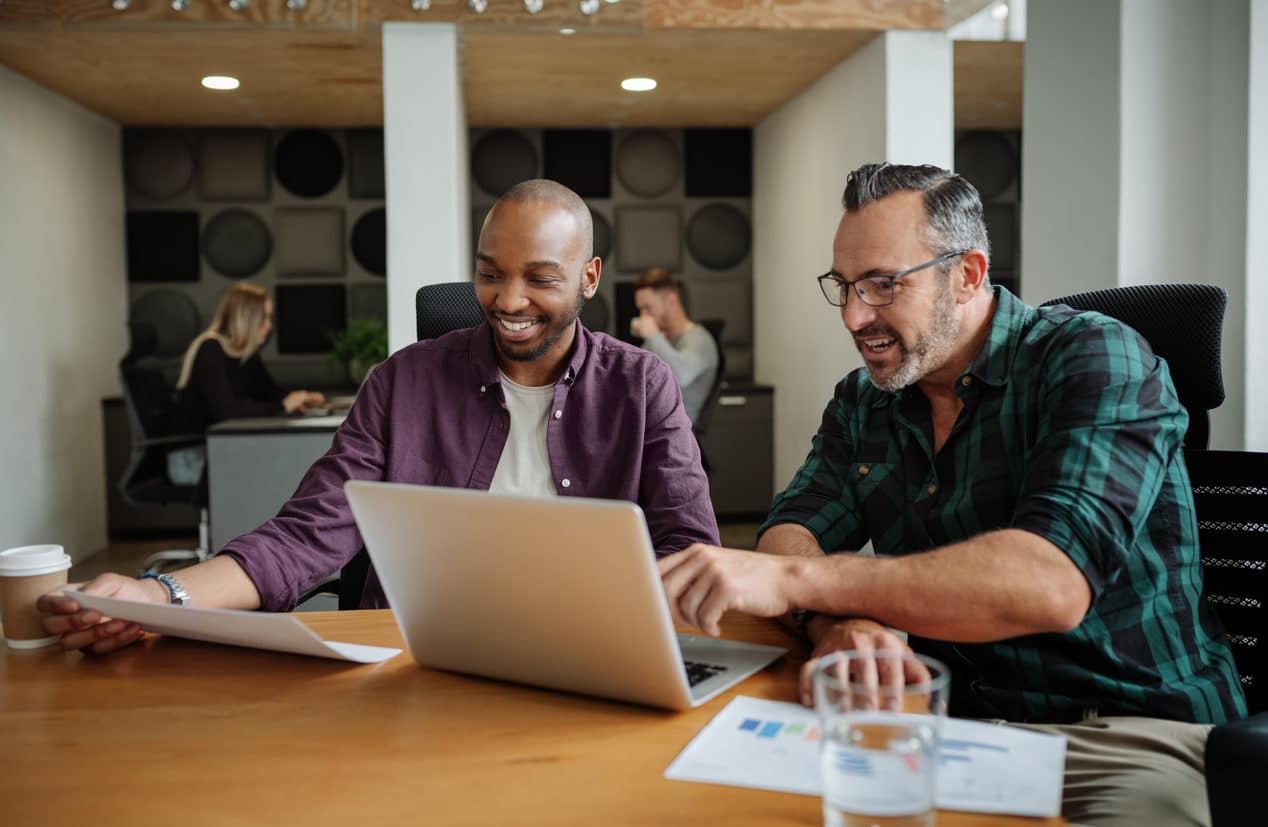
{"x": 30, "y": 561}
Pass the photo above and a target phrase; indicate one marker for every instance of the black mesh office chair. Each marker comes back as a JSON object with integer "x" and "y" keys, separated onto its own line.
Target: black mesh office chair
{"x": 701, "y": 426}
{"x": 439, "y": 309}
{"x": 1184, "y": 324}
{"x": 145, "y": 482}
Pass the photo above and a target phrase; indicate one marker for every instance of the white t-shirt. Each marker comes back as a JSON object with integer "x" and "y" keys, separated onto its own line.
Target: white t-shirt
{"x": 524, "y": 467}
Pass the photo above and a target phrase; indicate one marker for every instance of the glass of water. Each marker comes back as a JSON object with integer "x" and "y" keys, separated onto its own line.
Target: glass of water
{"x": 880, "y": 717}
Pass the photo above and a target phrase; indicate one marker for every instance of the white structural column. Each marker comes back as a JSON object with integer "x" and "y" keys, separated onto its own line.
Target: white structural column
{"x": 891, "y": 101}
{"x": 1256, "y": 308}
{"x": 1136, "y": 159}
{"x": 425, "y": 163}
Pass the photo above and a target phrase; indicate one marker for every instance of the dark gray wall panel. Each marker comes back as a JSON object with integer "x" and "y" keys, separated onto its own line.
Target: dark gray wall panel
{"x": 157, "y": 163}
{"x": 648, "y": 237}
{"x": 309, "y": 241}
{"x": 501, "y": 159}
{"x": 236, "y": 243}
{"x": 174, "y": 316}
{"x": 308, "y": 162}
{"x": 648, "y": 163}
{"x": 233, "y": 165}
{"x": 719, "y": 236}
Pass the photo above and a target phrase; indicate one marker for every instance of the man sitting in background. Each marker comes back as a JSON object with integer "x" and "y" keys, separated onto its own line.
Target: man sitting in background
{"x": 666, "y": 330}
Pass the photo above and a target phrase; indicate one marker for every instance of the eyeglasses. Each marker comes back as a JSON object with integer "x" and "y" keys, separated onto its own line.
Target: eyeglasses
{"x": 877, "y": 291}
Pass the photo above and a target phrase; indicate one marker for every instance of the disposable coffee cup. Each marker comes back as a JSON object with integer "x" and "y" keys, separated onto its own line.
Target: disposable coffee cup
{"x": 27, "y": 573}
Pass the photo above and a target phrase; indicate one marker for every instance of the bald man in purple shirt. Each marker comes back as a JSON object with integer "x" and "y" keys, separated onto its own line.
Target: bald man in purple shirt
{"x": 527, "y": 402}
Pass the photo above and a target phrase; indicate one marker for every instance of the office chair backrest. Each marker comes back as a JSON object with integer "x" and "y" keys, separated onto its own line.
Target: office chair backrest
{"x": 448, "y": 306}
{"x": 146, "y": 394}
{"x": 715, "y": 327}
{"x": 1230, "y": 494}
{"x": 1184, "y": 324}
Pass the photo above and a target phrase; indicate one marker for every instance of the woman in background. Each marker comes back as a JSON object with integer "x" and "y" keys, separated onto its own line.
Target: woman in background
{"x": 223, "y": 376}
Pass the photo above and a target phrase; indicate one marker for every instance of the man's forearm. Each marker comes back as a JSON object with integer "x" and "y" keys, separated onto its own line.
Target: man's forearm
{"x": 998, "y": 585}
{"x": 789, "y": 539}
{"x": 219, "y": 583}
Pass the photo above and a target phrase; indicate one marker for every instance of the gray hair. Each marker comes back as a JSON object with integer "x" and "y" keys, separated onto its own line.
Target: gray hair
{"x": 953, "y": 209}
{"x": 543, "y": 190}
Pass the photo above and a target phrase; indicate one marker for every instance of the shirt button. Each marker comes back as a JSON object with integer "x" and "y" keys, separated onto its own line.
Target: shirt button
{"x": 558, "y": 414}
{"x": 966, "y": 381}
{"x": 932, "y": 489}
{"x": 566, "y": 483}
{"x": 483, "y": 388}
{"x": 863, "y": 469}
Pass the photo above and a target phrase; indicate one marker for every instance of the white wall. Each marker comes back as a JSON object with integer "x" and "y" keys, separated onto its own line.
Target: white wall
{"x": 425, "y": 161}
{"x": 62, "y": 321}
{"x": 890, "y": 101}
{"x": 1135, "y": 158}
{"x": 1069, "y": 225}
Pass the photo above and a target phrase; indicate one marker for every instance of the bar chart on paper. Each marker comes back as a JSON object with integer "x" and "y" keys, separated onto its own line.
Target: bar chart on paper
{"x": 775, "y": 746}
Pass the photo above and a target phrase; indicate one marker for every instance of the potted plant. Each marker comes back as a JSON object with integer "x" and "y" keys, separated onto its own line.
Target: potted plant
{"x": 360, "y": 346}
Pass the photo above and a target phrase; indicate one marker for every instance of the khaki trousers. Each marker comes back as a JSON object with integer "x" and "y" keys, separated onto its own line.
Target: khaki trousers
{"x": 1127, "y": 771}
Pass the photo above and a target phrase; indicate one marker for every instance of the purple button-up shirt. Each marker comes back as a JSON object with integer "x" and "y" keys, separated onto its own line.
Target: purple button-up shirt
{"x": 434, "y": 414}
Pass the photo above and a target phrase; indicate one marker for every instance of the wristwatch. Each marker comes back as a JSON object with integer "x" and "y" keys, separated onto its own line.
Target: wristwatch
{"x": 176, "y": 592}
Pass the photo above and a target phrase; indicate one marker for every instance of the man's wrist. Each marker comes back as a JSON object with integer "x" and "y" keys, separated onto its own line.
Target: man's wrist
{"x": 155, "y": 591}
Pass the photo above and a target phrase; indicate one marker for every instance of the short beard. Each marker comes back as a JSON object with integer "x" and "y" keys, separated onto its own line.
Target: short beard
{"x": 550, "y": 341}
{"x": 930, "y": 350}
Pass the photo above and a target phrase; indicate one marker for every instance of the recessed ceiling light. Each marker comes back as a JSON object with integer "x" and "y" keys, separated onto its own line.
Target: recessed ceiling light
{"x": 222, "y": 83}
{"x": 567, "y": 30}
{"x": 1000, "y": 11}
{"x": 638, "y": 84}
{"x": 179, "y": 5}
{"x": 120, "y": 5}
{"x": 420, "y": 5}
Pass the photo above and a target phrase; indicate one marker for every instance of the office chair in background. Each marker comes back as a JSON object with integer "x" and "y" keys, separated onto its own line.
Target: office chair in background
{"x": 149, "y": 403}
{"x": 1183, "y": 323}
{"x": 701, "y": 426}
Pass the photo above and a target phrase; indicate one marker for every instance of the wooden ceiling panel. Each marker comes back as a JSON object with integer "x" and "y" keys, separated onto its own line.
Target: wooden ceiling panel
{"x": 988, "y": 84}
{"x": 864, "y": 15}
{"x": 148, "y": 78}
{"x": 706, "y": 78}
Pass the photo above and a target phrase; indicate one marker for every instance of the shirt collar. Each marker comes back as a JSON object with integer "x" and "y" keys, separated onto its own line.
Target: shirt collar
{"x": 484, "y": 363}
{"x": 993, "y": 364}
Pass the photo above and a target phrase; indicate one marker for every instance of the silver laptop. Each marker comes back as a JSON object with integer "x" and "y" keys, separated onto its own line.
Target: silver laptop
{"x": 559, "y": 593}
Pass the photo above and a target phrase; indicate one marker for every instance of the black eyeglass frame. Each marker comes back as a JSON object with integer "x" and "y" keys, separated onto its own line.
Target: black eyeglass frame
{"x": 839, "y": 282}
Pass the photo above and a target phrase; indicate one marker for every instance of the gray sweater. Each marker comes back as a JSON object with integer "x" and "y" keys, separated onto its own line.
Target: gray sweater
{"x": 693, "y": 357}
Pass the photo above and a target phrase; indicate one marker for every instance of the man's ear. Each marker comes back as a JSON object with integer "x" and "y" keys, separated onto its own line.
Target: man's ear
{"x": 590, "y": 277}
{"x": 970, "y": 276}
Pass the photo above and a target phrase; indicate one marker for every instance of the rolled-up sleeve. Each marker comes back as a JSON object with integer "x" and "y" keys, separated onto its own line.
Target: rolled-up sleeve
{"x": 673, "y": 488}
{"x": 1109, "y": 425}
{"x": 820, "y": 497}
{"x": 313, "y": 535}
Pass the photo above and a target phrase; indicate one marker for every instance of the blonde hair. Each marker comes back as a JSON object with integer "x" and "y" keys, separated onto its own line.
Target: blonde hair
{"x": 241, "y": 312}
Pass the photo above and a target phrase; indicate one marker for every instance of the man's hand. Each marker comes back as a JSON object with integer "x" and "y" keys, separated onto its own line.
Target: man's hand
{"x": 643, "y": 326}
{"x": 702, "y": 582}
{"x": 862, "y": 635}
{"x": 88, "y": 629}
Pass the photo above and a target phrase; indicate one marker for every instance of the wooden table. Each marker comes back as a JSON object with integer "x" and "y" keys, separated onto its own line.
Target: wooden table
{"x": 179, "y": 732}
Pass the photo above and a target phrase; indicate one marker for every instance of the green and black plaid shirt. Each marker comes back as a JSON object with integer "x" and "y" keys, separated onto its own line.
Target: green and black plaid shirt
{"x": 1072, "y": 430}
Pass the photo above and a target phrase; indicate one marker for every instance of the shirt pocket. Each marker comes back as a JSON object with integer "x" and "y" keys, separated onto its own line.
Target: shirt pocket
{"x": 882, "y": 497}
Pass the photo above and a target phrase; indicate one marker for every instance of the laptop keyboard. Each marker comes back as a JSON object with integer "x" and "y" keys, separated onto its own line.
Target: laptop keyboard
{"x": 697, "y": 672}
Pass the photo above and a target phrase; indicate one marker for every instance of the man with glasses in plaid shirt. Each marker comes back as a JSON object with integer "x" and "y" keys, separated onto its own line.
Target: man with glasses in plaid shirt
{"x": 1018, "y": 471}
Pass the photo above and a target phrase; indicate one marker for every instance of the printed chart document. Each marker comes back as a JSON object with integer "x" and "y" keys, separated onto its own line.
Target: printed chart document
{"x": 256, "y": 630}
{"x": 982, "y": 768}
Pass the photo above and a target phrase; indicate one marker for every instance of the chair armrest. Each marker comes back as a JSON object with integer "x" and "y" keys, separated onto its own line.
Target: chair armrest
{"x": 1236, "y": 766}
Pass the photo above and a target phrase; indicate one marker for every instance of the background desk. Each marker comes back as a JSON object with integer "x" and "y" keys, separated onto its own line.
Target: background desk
{"x": 254, "y": 465}
{"x": 173, "y": 731}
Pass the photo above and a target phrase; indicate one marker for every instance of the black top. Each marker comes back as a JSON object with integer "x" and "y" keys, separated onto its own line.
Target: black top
{"x": 223, "y": 387}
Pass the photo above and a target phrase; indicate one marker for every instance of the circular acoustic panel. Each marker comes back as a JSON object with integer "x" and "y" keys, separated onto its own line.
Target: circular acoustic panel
{"x": 502, "y": 159}
{"x": 308, "y": 162}
{"x": 236, "y": 243}
{"x": 987, "y": 159}
{"x": 719, "y": 236}
{"x": 157, "y": 163}
{"x": 648, "y": 163}
{"x": 173, "y": 316}
{"x": 369, "y": 241}
{"x": 602, "y": 235}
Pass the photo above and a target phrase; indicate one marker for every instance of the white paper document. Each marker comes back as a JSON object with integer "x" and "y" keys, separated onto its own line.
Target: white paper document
{"x": 771, "y": 745}
{"x": 257, "y": 630}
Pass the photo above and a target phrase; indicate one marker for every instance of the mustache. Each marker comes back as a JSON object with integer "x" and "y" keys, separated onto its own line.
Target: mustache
{"x": 875, "y": 330}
